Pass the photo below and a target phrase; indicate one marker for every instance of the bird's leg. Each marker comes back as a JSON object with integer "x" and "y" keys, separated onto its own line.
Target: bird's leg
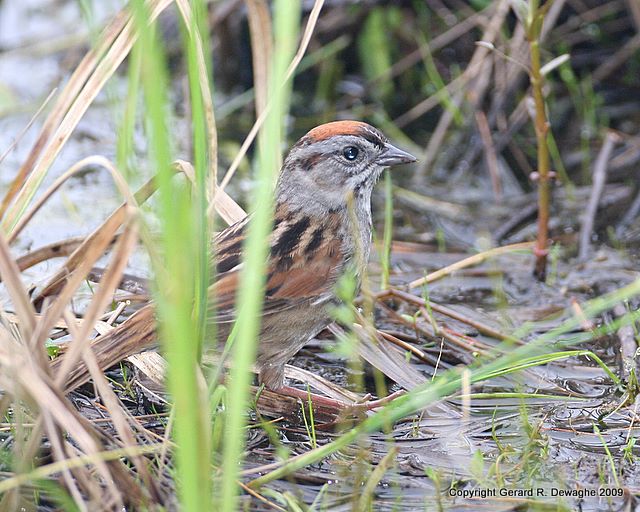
{"x": 317, "y": 400}
{"x": 323, "y": 401}
{"x": 374, "y": 404}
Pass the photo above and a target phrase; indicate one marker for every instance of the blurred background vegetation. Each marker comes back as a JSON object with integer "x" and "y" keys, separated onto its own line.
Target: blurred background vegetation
{"x": 414, "y": 69}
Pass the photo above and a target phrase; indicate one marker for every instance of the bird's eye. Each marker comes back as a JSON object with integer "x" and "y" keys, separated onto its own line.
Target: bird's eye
{"x": 351, "y": 153}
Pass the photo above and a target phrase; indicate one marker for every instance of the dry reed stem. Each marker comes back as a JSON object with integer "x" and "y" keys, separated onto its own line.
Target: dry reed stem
{"x": 451, "y": 313}
{"x": 62, "y": 105}
{"x": 110, "y": 225}
{"x": 407, "y": 347}
{"x": 628, "y": 344}
{"x": 205, "y": 90}
{"x": 634, "y": 8}
{"x": 69, "y": 284}
{"x": 260, "y": 29}
{"x": 476, "y": 259}
{"x": 379, "y": 354}
{"x": 90, "y": 161}
{"x": 82, "y": 260}
{"x": 151, "y": 364}
{"x": 438, "y": 333}
{"x": 118, "y": 413}
{"x": 100, "y": 327}
{"x": 11, "y": 278}
{"x": 166, "y": 443}
{"x": 47, "y": 252}
{"x": 261, "y": 498}
{"x": 466, "y": 343}
{"x": 302, "y": 48}
{"x": 438, "y": 42}
{"x": 85, "y": 84}
{"x": 36, "y": 353}
{"x": 222, "y": 203}
{"x": 431, "y": 102}
{"x": 108, "y": 284}
{"x": 473, "y": 71}
{"x": 490, "y": 154}
{"x": 323, "y": 385}
{"x": 621, "y": 57}
{"x": 230, "y": 211}
{"x": 21, "y": 378}
{"x": 22, "y": 133}
{"x": 154, "y": 366}
{"x": 75, "y": 462}
{"x": 71, "y": 480}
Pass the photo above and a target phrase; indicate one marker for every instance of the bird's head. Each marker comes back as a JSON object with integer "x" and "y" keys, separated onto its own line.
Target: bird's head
{"x": 335, "y": 161}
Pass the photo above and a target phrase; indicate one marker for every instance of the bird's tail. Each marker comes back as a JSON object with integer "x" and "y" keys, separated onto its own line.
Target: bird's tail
{"x": 131, "y": 337}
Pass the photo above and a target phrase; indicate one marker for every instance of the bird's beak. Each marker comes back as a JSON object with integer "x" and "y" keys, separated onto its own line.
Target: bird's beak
{"x": 394, "y": 156}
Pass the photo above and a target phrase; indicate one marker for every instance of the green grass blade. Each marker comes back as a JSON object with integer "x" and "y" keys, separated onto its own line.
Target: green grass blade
{"x": 176, "y": 280}
{"x": 250, "y": 294}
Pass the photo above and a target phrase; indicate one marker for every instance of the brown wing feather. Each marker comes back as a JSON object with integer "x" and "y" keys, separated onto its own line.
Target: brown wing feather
{"x": 310, "y": 275}
{"x": 303, "y": 264}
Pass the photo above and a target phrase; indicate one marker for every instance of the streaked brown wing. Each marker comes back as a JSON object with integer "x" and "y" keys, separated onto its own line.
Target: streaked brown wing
{"x": 227, "y": 246}
{"x": 303, "y": 265}
{"x": 309, "y": 275}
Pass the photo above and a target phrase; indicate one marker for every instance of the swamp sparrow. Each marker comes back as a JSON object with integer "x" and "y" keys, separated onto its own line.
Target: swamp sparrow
{"x": 322, "y": 229}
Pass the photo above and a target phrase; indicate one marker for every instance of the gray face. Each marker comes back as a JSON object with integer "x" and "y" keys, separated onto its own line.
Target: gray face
{"x": 334, "y": 162}
{"x": 337, "y": 166}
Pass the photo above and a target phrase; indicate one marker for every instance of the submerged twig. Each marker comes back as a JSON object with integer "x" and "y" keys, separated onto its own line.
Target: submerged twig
{"x": 451, "y": 313}
{"x": 49, "y": 251}
{"x": 599, "y": 179}
{"x": 628, "y": 343}
{"x": 490, "y": 153}
{"x": 629, "y": 215}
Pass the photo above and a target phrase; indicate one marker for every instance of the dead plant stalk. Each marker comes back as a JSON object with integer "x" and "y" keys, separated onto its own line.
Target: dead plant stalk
{"x": 533, "y": 30}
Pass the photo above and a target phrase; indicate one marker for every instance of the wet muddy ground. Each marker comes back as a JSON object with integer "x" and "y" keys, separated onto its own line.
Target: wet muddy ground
{"x": 491, "y": 441}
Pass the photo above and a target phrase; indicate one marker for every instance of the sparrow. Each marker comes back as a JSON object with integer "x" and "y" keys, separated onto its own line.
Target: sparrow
{"x": 321, "y": 230}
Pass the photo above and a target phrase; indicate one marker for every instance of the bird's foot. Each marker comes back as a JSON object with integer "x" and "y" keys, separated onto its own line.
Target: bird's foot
{"x": 374, "y": 404}
{"x": 365, "y": 404}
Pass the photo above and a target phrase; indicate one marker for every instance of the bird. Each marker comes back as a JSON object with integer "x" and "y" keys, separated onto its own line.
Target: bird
{"x": 322, "y": 229}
